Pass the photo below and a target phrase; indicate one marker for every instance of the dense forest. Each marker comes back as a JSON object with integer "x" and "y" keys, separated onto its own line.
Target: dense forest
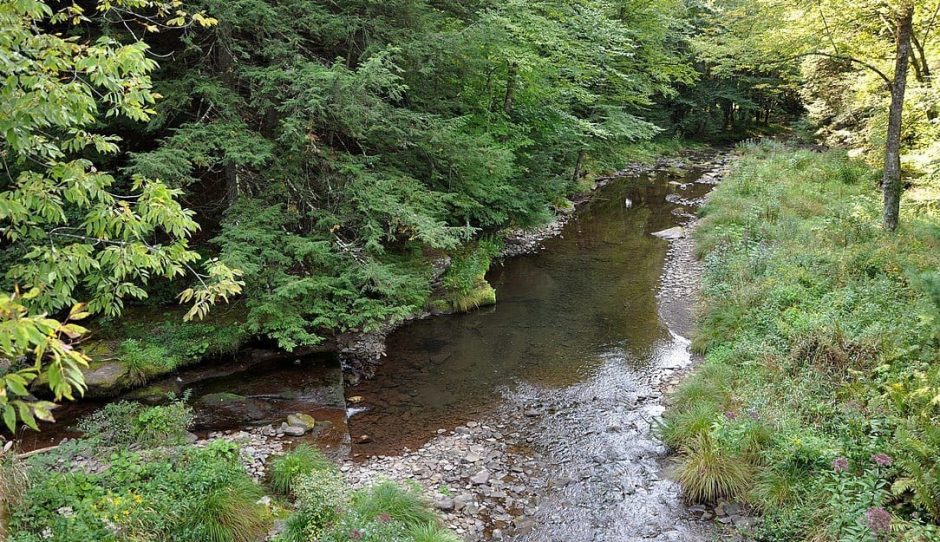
{"x": 185, "y": 177}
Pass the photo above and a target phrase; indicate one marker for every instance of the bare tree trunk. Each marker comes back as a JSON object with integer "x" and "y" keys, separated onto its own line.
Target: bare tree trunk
{"x": 510, "y": 88}
{"x": 891, "y": 183}
{"x": 226, "y": 66}
{"x": 578, "y": 166}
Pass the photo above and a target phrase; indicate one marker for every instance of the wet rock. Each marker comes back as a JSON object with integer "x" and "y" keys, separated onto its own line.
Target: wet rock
{"x": 304, "y": 421}
{"x": 292, "y": 430}
{"x": 670, "y": 234}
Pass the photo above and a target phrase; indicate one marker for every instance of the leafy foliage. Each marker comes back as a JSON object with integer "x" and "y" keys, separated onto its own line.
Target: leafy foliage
{"x": 167, "y": 493}
{"x": 301, "y": 461}
{"x": 127, "y": 424}
{"x": 70, "y": 230}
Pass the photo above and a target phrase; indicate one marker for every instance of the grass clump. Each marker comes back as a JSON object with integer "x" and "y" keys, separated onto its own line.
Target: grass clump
{"x": 821, "y": 335}
{"x": 327, "y": 512}
{"x": 405, "y": 505}
{"x": 708, "y": 473}
{"x": 285, "y": 470}
{"x": 184, "y": 493}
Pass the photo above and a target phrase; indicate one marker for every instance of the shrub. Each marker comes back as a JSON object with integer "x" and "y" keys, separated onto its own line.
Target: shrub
{"x": 187, "y": 494}
{"x": 321, "y": 500}
{"x": 126, "y": 423}
{"x": 302, "y": 460}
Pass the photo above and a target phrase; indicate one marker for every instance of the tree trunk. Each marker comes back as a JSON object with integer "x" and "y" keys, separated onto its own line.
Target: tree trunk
{"x": 226, "y": 67}
{"x": 891, "y": 183}
{"x": 578, "y": 166}
{"x": 510, "y": 88}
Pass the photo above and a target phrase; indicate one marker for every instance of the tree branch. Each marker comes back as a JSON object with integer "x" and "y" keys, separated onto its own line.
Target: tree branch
{"x": 853, "y": 60}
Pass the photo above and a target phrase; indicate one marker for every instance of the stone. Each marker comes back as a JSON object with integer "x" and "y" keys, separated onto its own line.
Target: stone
{"x": 104, "y": 378}
{"x": 355, "y": 399}
{"x": 291, "y": 430}
{"x": 363, "y": 439}
{"x": 444, "y": 503}
{"x": 531, "y": 413}
{"x": 298, "y": 419}
{"x": 481, "y": 477}
{"x": 671, "y": 234}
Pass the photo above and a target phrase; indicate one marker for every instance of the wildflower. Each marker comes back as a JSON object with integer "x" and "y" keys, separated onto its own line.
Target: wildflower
{"x": 879, "y": 521}
{"x": 882, "y": 459}
{"x": 840, "y": 464}
{"x": 356, "y": 534}
{"x": 731, "y": 415}
{"x": 384, "y": 518}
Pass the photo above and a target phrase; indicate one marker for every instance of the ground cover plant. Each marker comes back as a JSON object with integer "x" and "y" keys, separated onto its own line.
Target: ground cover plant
{"x": 818, "y": 402}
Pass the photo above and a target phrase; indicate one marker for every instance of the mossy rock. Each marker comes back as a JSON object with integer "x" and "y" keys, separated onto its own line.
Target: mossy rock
{"x": 105, "y": 378}
{"x": 481, "y": 295}
{"x": 155, "y": 393}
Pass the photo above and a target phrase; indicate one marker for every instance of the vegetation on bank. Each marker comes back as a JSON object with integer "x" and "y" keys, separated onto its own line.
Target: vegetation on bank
{"x": 134, "y": 477}
{"x": 818, "y": 402}
{"x": 309, "y": 159}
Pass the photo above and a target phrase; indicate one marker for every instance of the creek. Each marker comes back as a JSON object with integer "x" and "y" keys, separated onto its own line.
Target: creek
{"x": 573, "y": 358}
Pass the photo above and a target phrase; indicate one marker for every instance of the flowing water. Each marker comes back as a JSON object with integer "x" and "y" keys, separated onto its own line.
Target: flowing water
{"x": 579, "y": 341}
{"x": 560, "y": 314}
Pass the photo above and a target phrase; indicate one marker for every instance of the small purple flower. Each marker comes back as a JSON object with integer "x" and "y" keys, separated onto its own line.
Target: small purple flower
{"x": 879, "y": 521}
{"x": 753, "y": 414}
{"x": 840, "y": 464}
{"x": 356, "y": 534}
{"x": 384, "y": 518}
{"x": 882, "y": 459}
{"x": 731, "y": 415}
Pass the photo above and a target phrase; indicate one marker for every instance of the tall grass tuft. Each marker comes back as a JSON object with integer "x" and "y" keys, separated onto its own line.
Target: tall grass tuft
{"x": 232, "y": 513}
{"x": 13, "y": 483}
{"x": 429, "y": 532}
{"x": 401, "y": 504}
{"x": 288, "y": 468}
{"x": 708, "y": 473}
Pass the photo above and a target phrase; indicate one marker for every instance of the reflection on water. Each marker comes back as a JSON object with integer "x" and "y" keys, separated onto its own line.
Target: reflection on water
{"x": 592, "y": 290}
{"x": 560, "y": 314}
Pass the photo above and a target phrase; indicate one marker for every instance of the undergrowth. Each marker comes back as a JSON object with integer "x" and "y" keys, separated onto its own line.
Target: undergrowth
{"x": 818, "y": 403}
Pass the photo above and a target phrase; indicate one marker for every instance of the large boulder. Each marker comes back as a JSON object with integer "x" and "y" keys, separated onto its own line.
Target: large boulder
{"x": 106, "y": 378}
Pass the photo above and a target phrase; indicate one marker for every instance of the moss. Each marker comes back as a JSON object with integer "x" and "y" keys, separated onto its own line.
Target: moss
{"x": 481, "y": 295}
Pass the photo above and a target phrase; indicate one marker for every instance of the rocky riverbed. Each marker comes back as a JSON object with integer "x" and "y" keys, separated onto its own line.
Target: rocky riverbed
{"x": 580, "y": 462}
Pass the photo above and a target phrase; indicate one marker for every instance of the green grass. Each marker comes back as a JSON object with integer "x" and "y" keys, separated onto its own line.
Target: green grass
{"x": 821, "y": 336}
{"x": 286, "y": 469}
{"x": 232, "y": 513}
{"x": 401, "y": 504}
{"x": 181, "y": 493}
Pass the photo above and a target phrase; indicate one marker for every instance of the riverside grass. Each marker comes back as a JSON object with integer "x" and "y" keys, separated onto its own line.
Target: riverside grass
{"x": 821, "y": 336}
